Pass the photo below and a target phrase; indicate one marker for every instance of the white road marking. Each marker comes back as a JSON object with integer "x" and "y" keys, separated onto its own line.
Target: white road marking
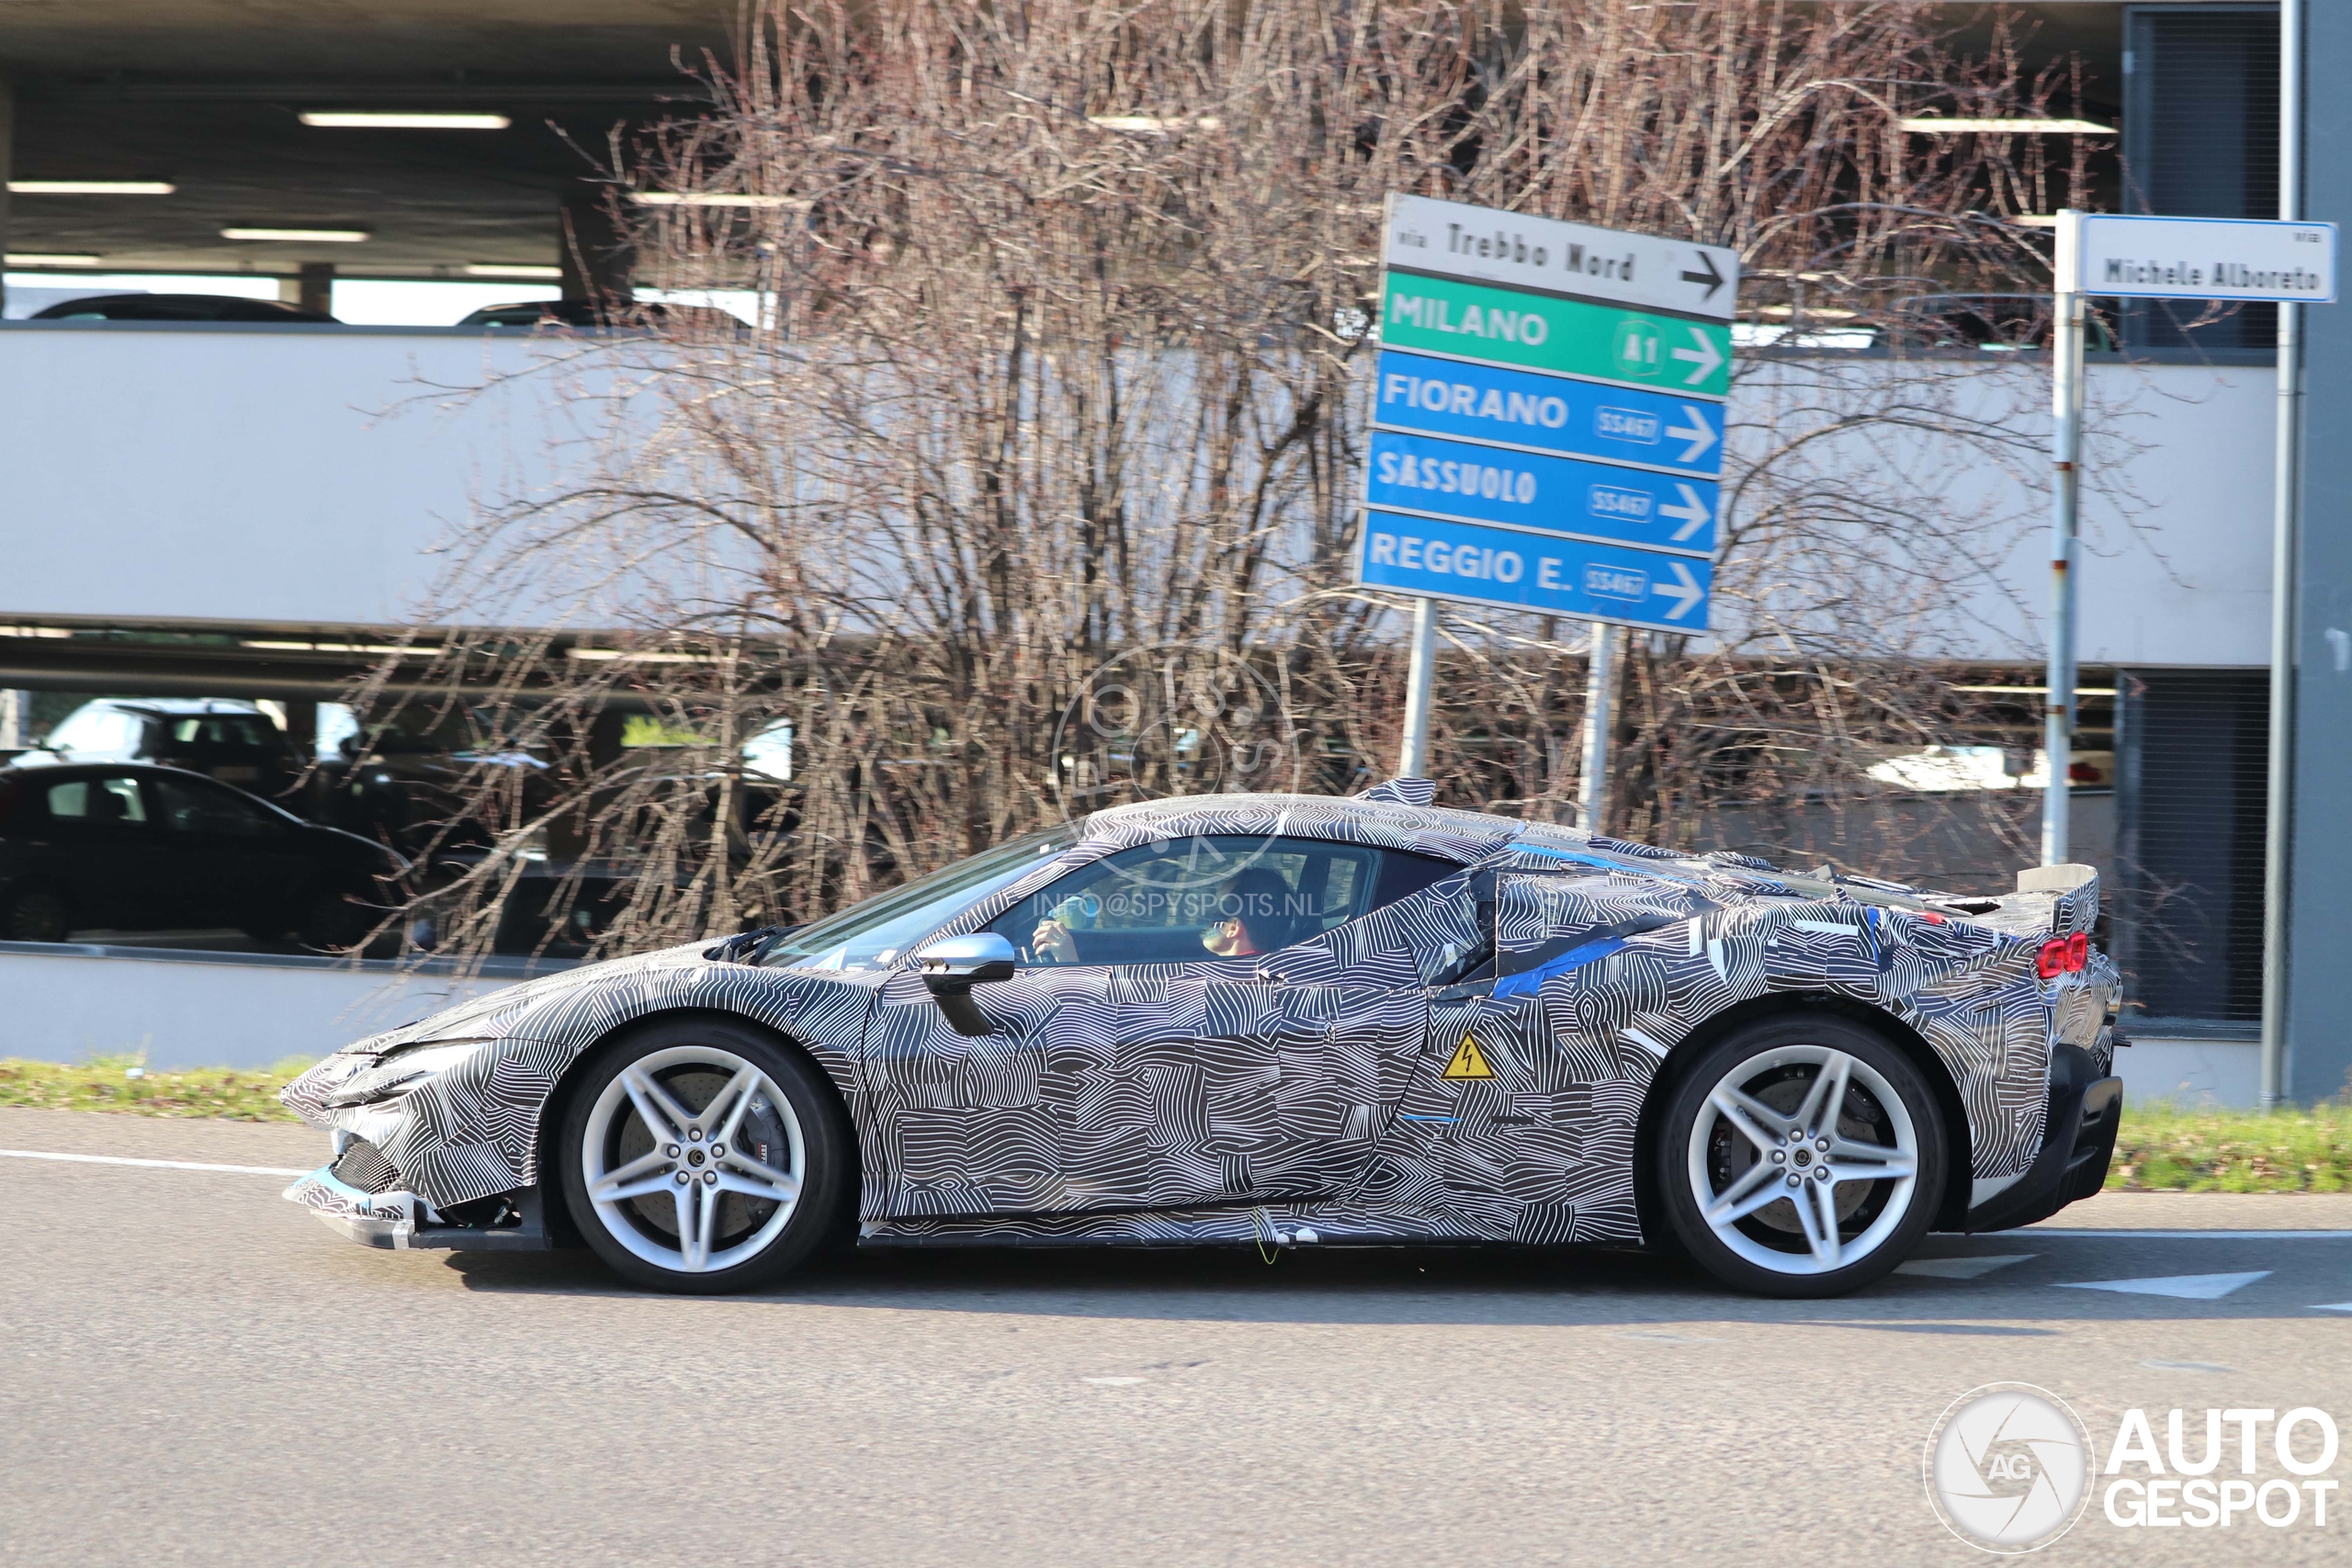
{"x": 2186, "y": 1286}
{"x": 154, "y": 1164}
{"x": 1112, "y": 1383}
{"x": 2196, "y": 1236}
{"x": 2188, "y": 1366}
{"x": 1958, "y": 1268}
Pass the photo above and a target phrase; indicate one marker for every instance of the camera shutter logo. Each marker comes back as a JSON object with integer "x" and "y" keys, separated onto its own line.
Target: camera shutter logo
{"x": 2008, "y": 1467}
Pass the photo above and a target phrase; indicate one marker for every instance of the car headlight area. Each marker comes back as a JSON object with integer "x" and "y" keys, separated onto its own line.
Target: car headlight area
{"x": 397, "y": 1179}
{"x": 403, "y": 1072}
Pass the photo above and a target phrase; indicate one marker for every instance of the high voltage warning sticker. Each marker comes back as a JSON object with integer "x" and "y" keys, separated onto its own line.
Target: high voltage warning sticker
{"x": 1469, "y": 1062}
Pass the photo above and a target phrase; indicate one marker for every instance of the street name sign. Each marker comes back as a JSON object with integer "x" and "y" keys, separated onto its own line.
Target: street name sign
{"x": 2286, "y": 261}
{"x": 1548, "y": 415}
{"x": 2195, "y": 258}
{"x": 1452, "y": 239}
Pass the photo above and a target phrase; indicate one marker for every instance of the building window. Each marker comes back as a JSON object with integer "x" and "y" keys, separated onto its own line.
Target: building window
{"x": 2200, "y": 140}
{"x": 2192, "y": 755}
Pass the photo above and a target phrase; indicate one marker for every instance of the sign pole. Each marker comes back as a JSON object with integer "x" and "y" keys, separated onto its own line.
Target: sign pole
{"x": 1600, "y": 686}
{"x": 2065, "y": 477}
{"x": 2285, "y": 544}
{"x": 2292, "y": 263}
{"x": 1414, "y": 762}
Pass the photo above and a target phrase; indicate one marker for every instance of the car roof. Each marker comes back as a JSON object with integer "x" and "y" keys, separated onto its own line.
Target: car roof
{"x": 137, "y": 307}
{"x": 25, "y": 768}
{"x": 1392, "y": 824}
{"x": 180, "y": 706}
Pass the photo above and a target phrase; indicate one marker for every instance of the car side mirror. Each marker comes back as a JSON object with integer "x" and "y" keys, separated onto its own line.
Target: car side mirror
{"x": 953, "y": 966}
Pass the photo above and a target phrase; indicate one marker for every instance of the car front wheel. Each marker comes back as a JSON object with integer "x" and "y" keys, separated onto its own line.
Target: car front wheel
{"x": 703, "y": 1156}
{"x": 1802, "y": 1157}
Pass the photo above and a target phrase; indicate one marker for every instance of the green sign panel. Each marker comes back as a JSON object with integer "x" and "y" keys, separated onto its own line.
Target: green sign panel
{"x": 1605, "y": 343}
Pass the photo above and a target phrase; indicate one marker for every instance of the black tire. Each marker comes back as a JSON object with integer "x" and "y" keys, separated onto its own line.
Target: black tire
{"x": 35, "y": 914}
{"x": 827, "y": 1196}
{"x": 326, "y": 920}
{"x": 1776, "y": 1250}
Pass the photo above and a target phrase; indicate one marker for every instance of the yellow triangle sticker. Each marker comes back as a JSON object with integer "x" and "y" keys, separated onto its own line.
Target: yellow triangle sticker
{"x": 1469, "y": 1062}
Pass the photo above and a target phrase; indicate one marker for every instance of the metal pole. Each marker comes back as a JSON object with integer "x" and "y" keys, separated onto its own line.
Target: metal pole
{"x": 1414, "y": 762}
{"x": 1599, "y": 688}
{"x": 2286, "y": 521}
{"x": 2065, "y": 462}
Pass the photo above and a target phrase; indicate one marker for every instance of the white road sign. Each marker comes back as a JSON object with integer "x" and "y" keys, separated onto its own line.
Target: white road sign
{"x": 1488, "y": 246}
{"x": 2196, "y": 258}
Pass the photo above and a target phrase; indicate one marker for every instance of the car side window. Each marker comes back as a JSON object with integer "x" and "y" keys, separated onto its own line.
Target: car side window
{"x": 229, "y": 732}
{"x": 95, "y": 729}
{"x": 98, "y": 800}
{"x": 1187, "y": 900}
{"x": 192, "y": 808}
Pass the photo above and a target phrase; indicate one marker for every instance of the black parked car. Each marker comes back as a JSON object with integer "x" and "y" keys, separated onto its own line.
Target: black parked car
{"x": 652, "y": 316}
{"x": 177, "y": 308}
{"x": 130, "y": 848}
{"x": 221, "y": 738}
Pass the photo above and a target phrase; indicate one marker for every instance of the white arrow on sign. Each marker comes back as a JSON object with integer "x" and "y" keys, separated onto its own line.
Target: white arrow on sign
{"x": 1698, "y": 433}
{"x": 1685, "y": 592}
{"x": 1693, "y": 512}
{"x": 1705, "y": 357}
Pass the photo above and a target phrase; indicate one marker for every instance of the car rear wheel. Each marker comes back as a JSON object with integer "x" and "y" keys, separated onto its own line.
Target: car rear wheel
{"x": 703, "y": 1156}
{"x": 1802, "y": 1157}
{"x": 328, "y": 920}
{"x": 34, "y": 914}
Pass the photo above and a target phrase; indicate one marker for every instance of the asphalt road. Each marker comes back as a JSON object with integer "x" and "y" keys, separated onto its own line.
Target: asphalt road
{"x": 192, "y": 1370}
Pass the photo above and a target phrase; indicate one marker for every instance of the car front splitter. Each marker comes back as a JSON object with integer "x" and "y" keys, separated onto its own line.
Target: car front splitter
{"x": 403, "y": 1222}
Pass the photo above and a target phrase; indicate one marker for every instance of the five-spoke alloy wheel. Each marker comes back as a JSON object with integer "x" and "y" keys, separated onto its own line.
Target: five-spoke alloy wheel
{"x": 701, "y": 1154}
{"x": 1802, "y": 1157}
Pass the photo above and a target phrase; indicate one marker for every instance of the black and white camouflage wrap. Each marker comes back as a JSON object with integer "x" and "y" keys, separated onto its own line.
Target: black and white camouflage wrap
{"x": 1235, "y": 1097}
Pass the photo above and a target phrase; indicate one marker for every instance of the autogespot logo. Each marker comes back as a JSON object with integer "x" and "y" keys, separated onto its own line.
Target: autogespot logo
{"x": 2009, "y": 1467}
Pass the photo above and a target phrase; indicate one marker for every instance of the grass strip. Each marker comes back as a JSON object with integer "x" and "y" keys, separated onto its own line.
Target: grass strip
{"x": 2164, "y": 1147}
{"x": 121, "y": 1083}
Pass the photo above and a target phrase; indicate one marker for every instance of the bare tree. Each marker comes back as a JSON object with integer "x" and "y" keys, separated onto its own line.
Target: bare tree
{"x": 1037, "y": 483}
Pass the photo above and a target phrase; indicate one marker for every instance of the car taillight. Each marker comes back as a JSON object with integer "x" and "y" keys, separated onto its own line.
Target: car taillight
{"x": 2062, "y": 956}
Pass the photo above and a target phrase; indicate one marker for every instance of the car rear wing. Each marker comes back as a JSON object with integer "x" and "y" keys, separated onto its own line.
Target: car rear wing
{"x": 2051, "y": 900}
{"x": 2057, "y": 899}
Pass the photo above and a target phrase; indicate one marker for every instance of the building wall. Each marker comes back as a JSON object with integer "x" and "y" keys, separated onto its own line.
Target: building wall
{"x": 312, "y": 476}
{"x": 286, "y": 475}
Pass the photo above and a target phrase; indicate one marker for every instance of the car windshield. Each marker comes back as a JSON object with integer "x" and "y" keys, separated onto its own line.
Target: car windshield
{"x": 875, "y": 933}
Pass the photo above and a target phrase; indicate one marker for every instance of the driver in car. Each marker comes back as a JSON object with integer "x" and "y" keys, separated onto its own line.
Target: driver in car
{"x": 1250, "y": 910}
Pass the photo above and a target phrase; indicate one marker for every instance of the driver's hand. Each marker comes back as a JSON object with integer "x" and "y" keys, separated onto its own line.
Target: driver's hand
{"x": 1228, "y": 938}
{"x": 1053, "y": 943}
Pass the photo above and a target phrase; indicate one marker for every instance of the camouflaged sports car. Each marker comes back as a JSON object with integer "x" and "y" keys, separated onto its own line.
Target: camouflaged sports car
{"x": 1295, "y": 1020}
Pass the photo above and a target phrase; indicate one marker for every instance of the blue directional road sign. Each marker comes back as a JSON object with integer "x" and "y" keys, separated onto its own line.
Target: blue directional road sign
{"x": 1547, "y": 415}
{"x": 1550, "y": 413}
{"x": 1535, "y": 571}
{"x": 1559, "y": 495}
